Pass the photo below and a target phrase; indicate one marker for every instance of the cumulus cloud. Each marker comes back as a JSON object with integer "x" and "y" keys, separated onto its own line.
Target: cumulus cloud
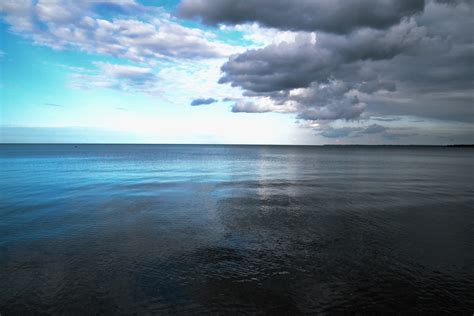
{"x": 306, "y": 60}
{"x": 203, "y": 101}
{"x": 79, "y": 25}
{"x": 407, "y": 58}
{"x": 321, "y": 74}
{"x": 336, "y": 16}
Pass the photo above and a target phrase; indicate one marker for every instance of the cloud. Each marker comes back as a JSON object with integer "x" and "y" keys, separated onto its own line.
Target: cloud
{"x": 333, "y": 16}
{"x": 341, "y": 132}
{"x": 338, "y": 132}
{"x": 319, "y": 58}
{"x": 136, "y": 32}
{"x": 249, "y": 107}
{"x": 260, "y": 36}
{"x": 136, "y": 76}
{"x": 322, "y": 74}
{"x": 118, "y": 77}
{"x": 386, "y": 119}
{"x": 327, "y": 63}
{"x": 297, "y": 64}
{"x": 342, "y": 109}
{"x": 262, "y": 105}
{"x": 418, "y": 62}
{"x": 399, "y": 135}
{"x": 159, "y": 81}
{"x": 374, "y": 129}
{"x": 197, "y": 102}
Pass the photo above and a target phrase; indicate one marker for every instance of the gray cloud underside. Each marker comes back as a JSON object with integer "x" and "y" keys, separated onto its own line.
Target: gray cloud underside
{"x": 418, "y": 65}
{"x": 353, "y": 131}
{"x": 336, "y": 16}
{"x": 374, "y": 130}
{"x": 203, "y": 101}
{"x": 322, "y": 76}
{"x": 247, "y": 107}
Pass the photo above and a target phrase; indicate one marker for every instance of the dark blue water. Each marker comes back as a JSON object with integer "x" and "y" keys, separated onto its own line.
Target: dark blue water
{"x": 220, "y": 229}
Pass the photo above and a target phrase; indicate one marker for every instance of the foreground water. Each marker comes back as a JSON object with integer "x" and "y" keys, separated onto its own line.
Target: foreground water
{"x": 216, "y": 229}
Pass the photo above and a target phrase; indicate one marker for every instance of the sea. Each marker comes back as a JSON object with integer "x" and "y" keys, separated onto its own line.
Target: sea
{"x": 217, "y": 229}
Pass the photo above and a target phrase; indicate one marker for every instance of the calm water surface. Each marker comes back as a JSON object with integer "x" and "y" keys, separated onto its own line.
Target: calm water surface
{"x": 171, "y": 229}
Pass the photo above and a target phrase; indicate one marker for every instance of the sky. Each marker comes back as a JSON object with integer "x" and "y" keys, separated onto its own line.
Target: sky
{"x": 305, "y": 72}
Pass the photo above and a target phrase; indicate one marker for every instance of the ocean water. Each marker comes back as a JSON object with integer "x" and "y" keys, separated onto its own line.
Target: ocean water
{"x": 183, "y": 229}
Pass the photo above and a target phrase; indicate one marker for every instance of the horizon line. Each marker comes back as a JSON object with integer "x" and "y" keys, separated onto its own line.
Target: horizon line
{"x": 223, "y": 144}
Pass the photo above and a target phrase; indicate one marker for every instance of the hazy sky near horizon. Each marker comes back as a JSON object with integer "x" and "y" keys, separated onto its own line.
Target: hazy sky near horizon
{"x": 237, "y": 71}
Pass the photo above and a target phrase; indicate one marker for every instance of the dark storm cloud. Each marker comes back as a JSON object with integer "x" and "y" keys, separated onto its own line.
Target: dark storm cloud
{"x": 428, "y": 107}
{"x": 335, "y": 16}
{"x": 198, "y": 102}
{"x": 342, "y": 108}
{"x": 326, "y": 70}
{"x": 436, "y": 79}
{"x": 299, "y": 63}
{"x": 411, "y": 64}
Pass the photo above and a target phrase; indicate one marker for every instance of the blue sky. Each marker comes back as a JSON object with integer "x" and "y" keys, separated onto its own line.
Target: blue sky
{"x": 142, "y": 72}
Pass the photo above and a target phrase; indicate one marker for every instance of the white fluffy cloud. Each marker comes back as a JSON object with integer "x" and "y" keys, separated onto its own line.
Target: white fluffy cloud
{"x": 136, "y": 32}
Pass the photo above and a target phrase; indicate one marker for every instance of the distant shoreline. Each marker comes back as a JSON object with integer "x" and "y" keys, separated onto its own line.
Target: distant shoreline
{"x": 274, "y": 145}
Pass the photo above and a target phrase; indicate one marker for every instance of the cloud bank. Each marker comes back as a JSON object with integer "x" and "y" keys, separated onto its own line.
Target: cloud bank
{"x": 351, "y": 60}
{"x": 337, "y": 16}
